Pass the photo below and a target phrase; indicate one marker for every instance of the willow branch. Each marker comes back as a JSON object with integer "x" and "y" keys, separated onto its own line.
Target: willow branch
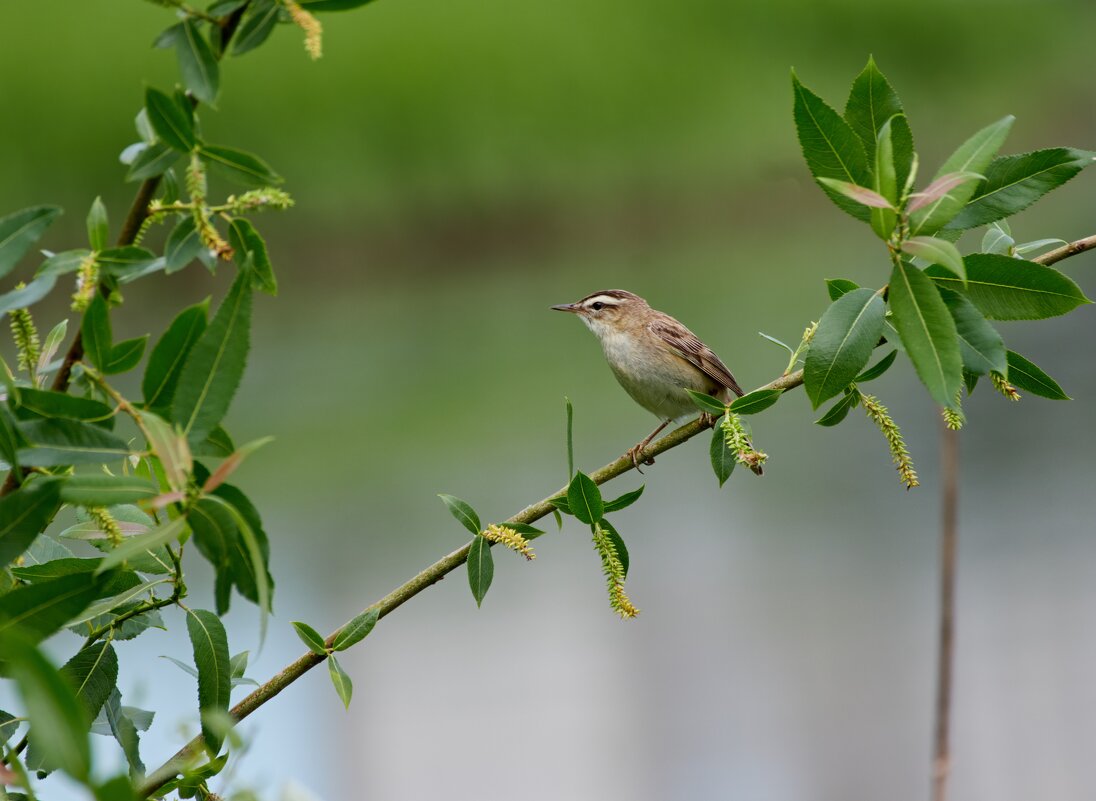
{"x": 428, "y": 577}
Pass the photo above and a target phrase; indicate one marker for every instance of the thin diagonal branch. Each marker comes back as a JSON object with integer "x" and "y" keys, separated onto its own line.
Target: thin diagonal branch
{"x": 428, "y": 577}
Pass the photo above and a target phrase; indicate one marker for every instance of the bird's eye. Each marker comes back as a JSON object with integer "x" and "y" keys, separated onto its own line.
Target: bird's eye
{"x": 597, "y": 306}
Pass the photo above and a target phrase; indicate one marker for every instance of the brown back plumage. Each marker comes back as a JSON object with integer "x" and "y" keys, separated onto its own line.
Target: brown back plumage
{"x": 685, "y": 343}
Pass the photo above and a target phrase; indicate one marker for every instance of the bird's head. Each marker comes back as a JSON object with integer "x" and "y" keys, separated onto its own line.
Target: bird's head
{"x": 607, "y": 311}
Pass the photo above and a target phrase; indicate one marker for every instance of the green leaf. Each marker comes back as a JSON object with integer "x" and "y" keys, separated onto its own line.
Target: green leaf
{"x": 570, "y": 438}
{"x": 878, "y": 368}
{"x": 129, "y": 262}
{"x": 872, "y": 102}
{"x": 54, "y": 568}
{"x": 153, "y": 161}
{"x": 618, "y": 543}
{"x": 857, "y": 194}
{"x": 927, "y": 332}
{"x": 884, "y": 182}
{"x": 252, "y": 552}
{"x": 584, "y": 499}
{"x": 706, "y": 403}
{"x": 163, "y": 534}
{"x": 560, "y": 502}
{"x": 28, "y": 295}
{"x": 529, "y": 532}
{"x": 341, "y": 680}
{"x": 93, "y": 672}
{"x": 210, "y": 644}
{"x": 96, "y": 332}
{"x": 1023, "y": 374}
{"x": 836, "y": 287}
{"x": 37, "y": 403}
{"x": 20, "y": 230}
{"x": 125, "y": 355}
{"x": 197, "y": 63}
{"x": 462, "y": 512}
{"x": 936, "y": 251}
{"x": 973, "y": 156}
{"x": 103, "y": 490}
{"x": 830, "y": 147}
{"x": 170, "y": 354}
{"x": 847, "y": 333}
{"x": 67, "y": 261}
{"x": 1004, "y": 288}
{"x": 124, "y": 730}
{"x": 171, "y": 450}
{"x": 356, "y": 630}
{"x": 310, "y": 637}
{"x": 1015, "y": 182}
{"x": 245, "y": 240}
{"x": 10, "y": 440}
{"x": 37, "y": 610}
{"x": 218, "y": 444}
{"x": 24, "y": 514}
{"x": 776, "y": 342}
{"x": 756, "y": 401}
{"x": 840, "y": 410}
{"x": 481, "y": 568}
{"x": 101, "y": 609}
{"x": 58, "y": 728}
{"x": 170, "y": 122}
{"x": 98, "y": 226}
{"x": 625, "y": 500}
{"x": 262, "y": 18}
{"x": 723, "y": 458}
{"x": 238, "y": 166}
{"x": 216, "y": 536}
{"x": 183, "y": 246}
{"x": 213, "y": 369}
{"x": 998, "y": 239}
{"x": 54, "y": 442}
{"x": 980, "y": 346}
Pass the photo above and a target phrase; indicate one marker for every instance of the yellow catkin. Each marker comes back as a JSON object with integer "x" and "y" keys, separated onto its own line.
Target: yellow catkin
{"x": 313, "y": 30}
{"x": 739, "y": 441}
{"x": 87, "y": 283}
{"x": 107, "y": 524}
{"x": 504, "y": 535}
{"x": 1003, "y": 386}
{"x": 614, "y": 574}
{"x": 25, "y": 334}
{"x": 901, "y": 455}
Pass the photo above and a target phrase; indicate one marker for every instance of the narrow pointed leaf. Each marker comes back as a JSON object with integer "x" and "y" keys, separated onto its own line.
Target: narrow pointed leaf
{"x": 28, "y": 295}
{"x": 840, "y": 410}
{"x": 213, "y": 368}
{"x": 625, "y": 500}
{"x": 211, "y": 658}
{"x": 871, "y": 103}
{"x": 341, "y": 680}
{"x": 847, "y": 333}
{"x": 357, "y": 629}
{"x": 183, "y": 245}
{"x": 170, "y": 354}
{"x": 927, "y": 332}
{"x": 836, "y": 287}
{"x": 170, "y": 122}
{"x": 1004, "y": 288}
{"x": 37, "y": 403}
{"x": 197, "y": 63}
{"x": 756, "y": 401}
{"x": 974, "y": 155}
{"x": 481, "y": 568}
{"x": 93, "y": 673}
{"x": 239, "y": 166}
{"x": 123, "y": 729}
{"x": 722, "y": 457}
{"x": 997, "y": 240}
{"x": 20, "y": 230}
{"x": 125, "y": 355}
{"x": 463, "y": 512}
{"x": 1015, "y": 182}
{"x": 96, "y": 332}
{"x": 257, "y": 27}
{"x": 884, "y": 182}
{"x": 1023, "y": 374}
{"x": 618, "y": 543}
{"x": 102, "y": 490}
{"x": 153, "y": 161}
{"x": 830, "y": 147}
{"x": 37, "y": 610}
{"x": 980, "y": 346}
{"x": 936, "y": 251}
{"x": 940, "y": 187}
{"x": 584, "y": 499}
{"x": 53, "y": 442}
{"x": 58, "y": 727}
{"x": 164, "y": 534}
{"x": 857, "y": 194}
{"x": 245, "y": 240}
{"x": 310, "y": 637}
{"x": 706, "y": 403}
{"x": 67, "y": 261}
{"x": 878, "y": 368}
{"x": 98, "y": 226}
{"x": 24, "y": 514}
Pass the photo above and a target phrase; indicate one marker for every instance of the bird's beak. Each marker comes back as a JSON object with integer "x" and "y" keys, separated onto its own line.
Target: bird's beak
{"x": 567, "y": 307}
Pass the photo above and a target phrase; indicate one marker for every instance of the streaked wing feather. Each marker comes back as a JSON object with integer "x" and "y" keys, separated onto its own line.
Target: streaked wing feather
{"x": 687, "y": 346}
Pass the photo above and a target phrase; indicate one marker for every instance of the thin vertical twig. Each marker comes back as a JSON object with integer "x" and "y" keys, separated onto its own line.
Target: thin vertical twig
{"x": 949, "y": 537}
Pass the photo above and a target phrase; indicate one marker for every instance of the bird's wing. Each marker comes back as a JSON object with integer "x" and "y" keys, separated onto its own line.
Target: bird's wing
{"x": 685, "y": 344}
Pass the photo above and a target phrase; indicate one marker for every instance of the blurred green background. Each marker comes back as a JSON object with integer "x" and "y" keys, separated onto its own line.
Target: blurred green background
{"x": 459, "y": 166}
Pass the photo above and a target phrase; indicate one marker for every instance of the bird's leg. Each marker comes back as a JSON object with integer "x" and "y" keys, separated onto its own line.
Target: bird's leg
{"x": 638, "y": 449}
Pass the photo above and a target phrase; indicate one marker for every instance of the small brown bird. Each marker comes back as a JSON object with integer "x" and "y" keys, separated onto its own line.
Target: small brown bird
{"x": 653, "y": 356}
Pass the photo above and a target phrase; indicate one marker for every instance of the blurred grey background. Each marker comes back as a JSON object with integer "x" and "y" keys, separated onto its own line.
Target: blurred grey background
{"x": 459, "y": 166}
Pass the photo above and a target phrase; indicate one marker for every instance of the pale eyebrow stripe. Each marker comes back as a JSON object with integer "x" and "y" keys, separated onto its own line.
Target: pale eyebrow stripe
{"x": 606, "y": 299}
